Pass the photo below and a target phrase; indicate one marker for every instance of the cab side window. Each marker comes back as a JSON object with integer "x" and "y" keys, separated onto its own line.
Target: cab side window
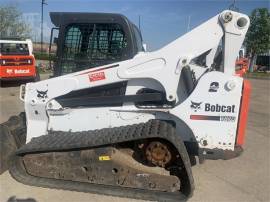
{"x": 92, "y": 45}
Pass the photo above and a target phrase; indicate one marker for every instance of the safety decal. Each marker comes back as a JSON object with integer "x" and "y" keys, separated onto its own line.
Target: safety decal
{"x": 104, "y": 158}
{"x": 97, "y": 76}
{"x": 213, "y": 118}
{"x": 98, "y": 69}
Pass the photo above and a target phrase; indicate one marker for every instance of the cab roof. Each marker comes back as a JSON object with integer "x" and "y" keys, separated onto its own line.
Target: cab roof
{"x": 26, "y": 41}
{"x": 60, "y": 18}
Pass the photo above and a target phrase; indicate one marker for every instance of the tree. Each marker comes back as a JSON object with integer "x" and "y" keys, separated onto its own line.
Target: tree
{"x": 258, "y": 35}
{"x": 11, "y": 23}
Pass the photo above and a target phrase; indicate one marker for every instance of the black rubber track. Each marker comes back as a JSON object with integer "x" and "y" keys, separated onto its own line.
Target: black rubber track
{"x": 64, "y": 141}
{"x": 12, "y": 136}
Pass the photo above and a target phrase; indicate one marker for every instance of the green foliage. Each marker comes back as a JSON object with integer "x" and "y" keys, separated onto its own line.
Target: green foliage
{"x": 258, "y": 35}
{"x": 41, "y": 56}
{"x": 259, "y": 75}
{"x": 11, "y": 23}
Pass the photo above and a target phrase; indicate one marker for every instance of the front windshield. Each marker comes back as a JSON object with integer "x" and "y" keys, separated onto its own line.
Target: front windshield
{"x": 14, "y": 49}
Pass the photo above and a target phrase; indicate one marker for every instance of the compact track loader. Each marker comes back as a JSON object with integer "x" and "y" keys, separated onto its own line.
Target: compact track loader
{"x": 17, "y": 61}
{"x": 130, "y": 128}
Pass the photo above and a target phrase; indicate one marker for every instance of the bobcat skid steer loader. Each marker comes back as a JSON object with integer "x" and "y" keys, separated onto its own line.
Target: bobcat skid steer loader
{"x": 129, "y": 128}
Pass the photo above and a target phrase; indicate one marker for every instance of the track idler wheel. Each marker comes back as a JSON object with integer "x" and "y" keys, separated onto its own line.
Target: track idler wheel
{"x": 12, "y": 136}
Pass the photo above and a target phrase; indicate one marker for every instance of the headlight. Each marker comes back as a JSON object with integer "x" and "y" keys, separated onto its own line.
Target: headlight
{"x": 22, "y": 92}
{"x": 2, "y": 62}
{"x": 29, "y": 61}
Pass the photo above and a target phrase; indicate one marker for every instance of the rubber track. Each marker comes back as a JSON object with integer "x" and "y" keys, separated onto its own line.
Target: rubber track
{"x": 61, "y": 141}
{"x": 12, "y": 137}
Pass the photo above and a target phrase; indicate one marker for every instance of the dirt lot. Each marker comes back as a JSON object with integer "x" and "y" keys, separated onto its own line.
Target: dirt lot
{"x": 245, "y": 178}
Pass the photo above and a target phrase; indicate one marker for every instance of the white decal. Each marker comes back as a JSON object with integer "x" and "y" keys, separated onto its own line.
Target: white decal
{"x": 22, "y": 71}
{"x": 9, "y": 71}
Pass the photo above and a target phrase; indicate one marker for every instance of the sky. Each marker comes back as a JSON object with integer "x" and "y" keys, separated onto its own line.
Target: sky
{"x": 162, "y": 21}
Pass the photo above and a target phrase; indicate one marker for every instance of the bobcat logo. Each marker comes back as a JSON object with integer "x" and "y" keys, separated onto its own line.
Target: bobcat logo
{"x": 195, "y": 105}
{"x": 42, "y": 94}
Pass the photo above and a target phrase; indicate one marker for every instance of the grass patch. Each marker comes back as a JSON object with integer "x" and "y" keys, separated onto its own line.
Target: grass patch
{"x": 42, "y": 71}
{"x": 43, "y": 56}
{"x": 262, "y": 75}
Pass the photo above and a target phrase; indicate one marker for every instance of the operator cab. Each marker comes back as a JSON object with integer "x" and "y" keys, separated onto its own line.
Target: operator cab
{"x": 87, "y": 40}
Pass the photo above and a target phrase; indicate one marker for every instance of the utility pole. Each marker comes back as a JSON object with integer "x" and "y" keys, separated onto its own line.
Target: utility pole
{"x": 139, "y": 22}
{"x": 41, "y": 31}
{"x": 188, "y": 25}
{"x": 233, "y": 6}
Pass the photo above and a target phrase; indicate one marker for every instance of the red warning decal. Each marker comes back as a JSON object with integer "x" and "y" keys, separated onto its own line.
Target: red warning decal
{"x": 97, "y": 76}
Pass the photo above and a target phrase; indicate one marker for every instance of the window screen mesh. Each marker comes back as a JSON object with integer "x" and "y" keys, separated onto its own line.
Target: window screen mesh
{"x": 92, "y": 45}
